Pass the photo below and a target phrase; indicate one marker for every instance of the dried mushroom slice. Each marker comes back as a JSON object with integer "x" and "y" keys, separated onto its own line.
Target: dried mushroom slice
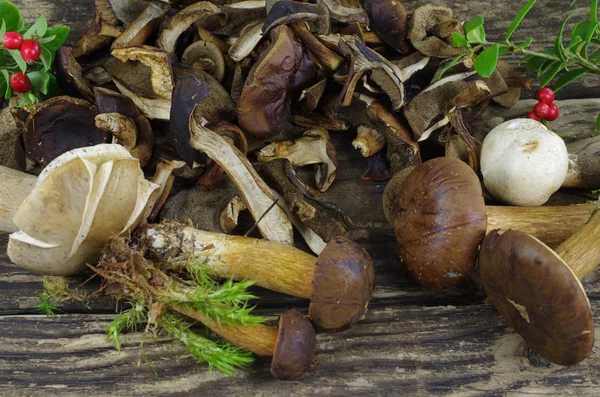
{"x": 142, "y": 28}
{"x": 339, "y": 12}
{"x": 69, "y": 74}
{"x": 288, "y": 12}
{"x": 102, "y": 31}
{"x": 61, "y": 124}
{"x": 431, "y": 28}
{"x": 206, "y": 56}
{"x": 249, "y": 38}
{"x": 390, "y": 20}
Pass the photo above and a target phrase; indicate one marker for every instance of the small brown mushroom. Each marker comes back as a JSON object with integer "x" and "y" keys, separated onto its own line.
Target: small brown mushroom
{"x": 340, "y": 282}
{"x": 538, "y": 292}
{"x": 61, "y": 124}
{"x": 142, "y": 28}
{"x": 207, "y": 56}
{"x": 390, "y": 20}
{"x": 120, "y": 127}
{"x": 424, "y": 23}
{"x": 315, "y": 147}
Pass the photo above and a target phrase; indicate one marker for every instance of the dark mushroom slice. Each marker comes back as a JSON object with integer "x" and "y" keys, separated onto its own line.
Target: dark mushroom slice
{"x": 340, "y": 281}
{"x": 142, "y": 28}
{"x": 315, "y": 147}
{"x": 179, "y": 23}
{"x": 207, "y": 56}
{"x": 313, "y": 120}
{"x": 249, "y": 38}
{"x": 61, "y": 124}
{"x": 102, "y": 31}
{"x": 538, "y": 294}
{"x": 378, "y": 168}
{"x": 341, "y": 13}
{"x": 239, "y": 15}
{"x": 514, "y": 82}
{"x": 264, "y": 107}
{"x": 288, "y": 12}
{"x": 431, "y": 29}
{"x": 310, "y": 97}
{"x": 326, "y": 57}
{"x": 390, "y": 20}
{"x": 69, "y": 74}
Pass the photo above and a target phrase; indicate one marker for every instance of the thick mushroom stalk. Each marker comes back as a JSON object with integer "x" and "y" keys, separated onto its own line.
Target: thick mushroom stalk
{"x": 273, "y": 223}
{"x": 81, "y": 200}
{"x": 340, "y": 282}
{"x": 315, "y": 147}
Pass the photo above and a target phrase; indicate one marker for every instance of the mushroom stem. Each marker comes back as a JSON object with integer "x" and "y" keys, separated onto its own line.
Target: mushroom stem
{"x": 259, "y": 339}
{"x": 581, "y": 250}
{"x": 16, "y": 186}
{"x": 278, "y": 267}
{"x": 550, "y": 224}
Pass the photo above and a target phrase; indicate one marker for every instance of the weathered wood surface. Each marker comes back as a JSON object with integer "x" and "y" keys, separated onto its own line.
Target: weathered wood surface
{"x": 412, "y": 342}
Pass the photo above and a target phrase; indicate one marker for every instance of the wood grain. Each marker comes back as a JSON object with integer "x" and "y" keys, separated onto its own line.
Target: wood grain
{"x": 411, "y": 342}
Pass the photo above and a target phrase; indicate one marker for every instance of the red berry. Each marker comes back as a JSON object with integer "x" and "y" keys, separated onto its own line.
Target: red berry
{"x": 20, "y": 82}
{"x": 553, "y": 112}
{"x": 541, "y": 110}
{"x": 545, "y": 95}
{"x": 533, "y": 116}
{"x": 12, "y": 40}
{"x": 30, "y": 51}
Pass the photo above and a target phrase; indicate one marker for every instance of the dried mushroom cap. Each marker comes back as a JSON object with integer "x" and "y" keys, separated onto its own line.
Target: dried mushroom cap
{"x": 537, "y": 293}
{"x": 440, "y": 219}
{"x": 142, "y": 28}
{"x": 68, "y": 72}
{"x": 264, "y": 106}
{"x": 511, "y": 98}
{"x": 178, "y": 24}
{"x": 390, "y": 20}
{"x": 207, "y": 56}
{"x": 343, "y": 284}
{"x": 295, "y": 349}
{"x": 61, "y": 124}
{"x": 288, "y": 12}
{"x": 77, "y": 205}
{"x": 391, "y": 193}
{"x": 424, "y": 20}
{"x": 315, "y": 147}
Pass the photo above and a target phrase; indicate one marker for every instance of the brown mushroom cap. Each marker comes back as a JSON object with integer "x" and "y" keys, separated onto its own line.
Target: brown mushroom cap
{"x": 343, "y": 285}
{"x": 440, "y": 219}
{"x": 389, "y": 19}
{"x": 538, "y": 295}
{"x": 425, "y": 18}
{"x": 295, "y": 349}
{"x": 61, "y": 124}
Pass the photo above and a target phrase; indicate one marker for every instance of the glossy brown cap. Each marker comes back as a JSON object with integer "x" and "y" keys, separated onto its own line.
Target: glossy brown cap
{"x": 538, "y": 295}
{"x": 343, "y": 285}
{"x": 440, "y": 220}
{"x": 295, "y": 349}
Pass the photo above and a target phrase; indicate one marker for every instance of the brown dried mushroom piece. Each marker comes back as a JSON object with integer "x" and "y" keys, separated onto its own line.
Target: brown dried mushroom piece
{"x": 340, "y": 12}
{"x": 584, "y": 164}
{"x": 514, "y": 82}
{"x": 390, "y": 20}
{"x": 249, "y": 38}
{"x": 289, "y": 12}
{"x": 61, "y": 124}
{"x": 239, "y": 15}
{"x": 431, "y": 29}
{"x": 538, "y": 294}
{"x": 69, "y": 74}
{"x": 12, "y": 150}
{"x": 206, "y": 56}
{"x": 102, "y": 31}
{"x": 264, "y": 106}
{"x": 340, "y": 282}
{"x": 315, "y": 147}
{"x": 142, "y": 28}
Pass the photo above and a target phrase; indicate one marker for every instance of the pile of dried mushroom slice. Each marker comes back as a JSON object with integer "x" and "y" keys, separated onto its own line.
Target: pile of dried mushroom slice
{"x": 223, "y": 102}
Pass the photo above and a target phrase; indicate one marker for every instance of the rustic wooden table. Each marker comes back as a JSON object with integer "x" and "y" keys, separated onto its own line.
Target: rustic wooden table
{"x": 412, "y": 342}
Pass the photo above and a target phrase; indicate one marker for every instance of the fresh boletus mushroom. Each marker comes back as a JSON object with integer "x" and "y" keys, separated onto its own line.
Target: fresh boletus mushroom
{"x": 340, "y": 282}
{"x": 538, "y": 292}
{"x": 81, "y": 200}
{"x": 523, "y": 163}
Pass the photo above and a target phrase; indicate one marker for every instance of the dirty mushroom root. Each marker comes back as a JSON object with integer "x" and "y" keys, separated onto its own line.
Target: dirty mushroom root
{"x": 440, "y": 218}
{"x": 339, "y": 283}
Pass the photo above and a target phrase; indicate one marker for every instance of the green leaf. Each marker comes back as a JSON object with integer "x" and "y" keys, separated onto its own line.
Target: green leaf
{"x": 525, "y": 44}
{"x": 486, "y": 61}
{"x": 519, "y": 18}
{"x": 558, "y": 44}
{"x": 473, "y": 24}
{"x": 598, "y": 122}
{"x": 16, "y": 54}
{"x": 568, "y": 78}
{"x": 46, "y": 58}
{"x": 53, "y": 88}
{"x": 458, "y": 40}
{"x": 594, "y": 11}
{"x": 11, "y": 16}
{"x": 38, "y": 29}
{"x": 574, "y": 42}
{"x": 2, "y": 28}
{"x": 46, "y": 39}
{"x": 551, "y": 73}
{"x": 584, "y": 29}
{"x": 5, "y": 89}
{"x": 535, "y": 63}
{"x": 474, "y": 31}
{"x": 60, "y": 34}
{"x": 448, "y": 65}
{"x": 39, "y": 81}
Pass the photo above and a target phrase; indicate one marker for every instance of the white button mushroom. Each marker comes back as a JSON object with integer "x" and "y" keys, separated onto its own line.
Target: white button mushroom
{"x": 523, "y": 163}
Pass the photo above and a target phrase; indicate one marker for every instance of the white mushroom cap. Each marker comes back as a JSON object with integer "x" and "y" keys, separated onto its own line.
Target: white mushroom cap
{"x": 523, "y": 163}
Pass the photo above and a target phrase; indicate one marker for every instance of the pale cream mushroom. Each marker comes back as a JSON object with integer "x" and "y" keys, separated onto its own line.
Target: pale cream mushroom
{"x": 523, "y": 163}
{"x": 80, "y": 200}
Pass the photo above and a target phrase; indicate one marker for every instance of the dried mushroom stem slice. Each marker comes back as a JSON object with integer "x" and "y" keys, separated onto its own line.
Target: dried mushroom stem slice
{"x": 258, "y": 197}
{"x": 248, "y": 40}
{"x": 121, "y": 127}
{"x": 178, "y": 24}
{"x": 368, "y": 141}
{"x": 315, "y": 147}
{"x": 142, "y": 28}
{"x": 538, "y": 294}
{"x": 326, "y": 57}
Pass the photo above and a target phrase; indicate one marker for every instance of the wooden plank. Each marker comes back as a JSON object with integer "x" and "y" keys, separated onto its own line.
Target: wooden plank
{"x": 458, "y": 351}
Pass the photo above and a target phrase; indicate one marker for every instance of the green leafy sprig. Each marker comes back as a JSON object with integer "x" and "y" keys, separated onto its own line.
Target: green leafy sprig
{"x": 43, "y": 82}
